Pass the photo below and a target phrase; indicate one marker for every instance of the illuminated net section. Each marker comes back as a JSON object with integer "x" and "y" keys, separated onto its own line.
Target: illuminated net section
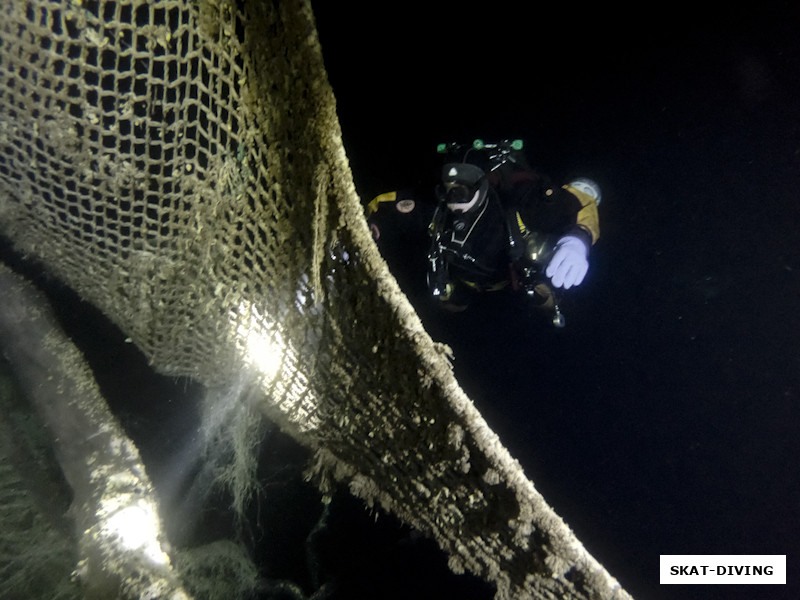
{"x": 180, "y": 165}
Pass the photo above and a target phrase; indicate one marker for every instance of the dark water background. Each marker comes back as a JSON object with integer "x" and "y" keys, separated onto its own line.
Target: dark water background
{"x": 665, "y": 418}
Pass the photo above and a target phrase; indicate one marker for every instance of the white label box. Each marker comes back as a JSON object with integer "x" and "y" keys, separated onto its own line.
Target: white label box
{"x": 723, "y": 569}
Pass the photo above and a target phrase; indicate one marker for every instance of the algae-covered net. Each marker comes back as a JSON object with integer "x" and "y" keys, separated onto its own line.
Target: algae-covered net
{"x": 179, "y": 164}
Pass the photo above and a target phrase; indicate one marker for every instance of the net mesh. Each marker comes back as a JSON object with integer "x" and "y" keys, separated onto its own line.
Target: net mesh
{"x": 180, "y": 165}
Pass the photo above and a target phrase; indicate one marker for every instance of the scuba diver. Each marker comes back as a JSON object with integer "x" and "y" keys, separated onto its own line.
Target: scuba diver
{"x": 500, "y": 225}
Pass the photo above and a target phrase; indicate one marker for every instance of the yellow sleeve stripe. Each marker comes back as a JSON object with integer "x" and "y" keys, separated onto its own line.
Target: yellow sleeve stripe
{"x": 588, "y": 218}
{"x": 373, "y": 205}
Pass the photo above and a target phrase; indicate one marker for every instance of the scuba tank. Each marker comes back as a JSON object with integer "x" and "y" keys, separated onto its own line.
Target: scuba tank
{"x": 530, "y": 253}
{"x": 437, "y": 266}
{"x": 488, "y": 157}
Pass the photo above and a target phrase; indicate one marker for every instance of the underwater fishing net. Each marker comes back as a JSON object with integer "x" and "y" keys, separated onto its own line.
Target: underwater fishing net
{"x": 179, "y": 164}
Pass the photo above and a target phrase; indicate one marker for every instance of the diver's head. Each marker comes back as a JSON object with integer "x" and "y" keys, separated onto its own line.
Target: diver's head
{"x": 464, "y": 186}
{"x": 588, "y": 187}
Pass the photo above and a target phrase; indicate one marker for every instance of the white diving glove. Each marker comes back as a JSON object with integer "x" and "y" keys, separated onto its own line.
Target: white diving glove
{"x": 569, "y": 264}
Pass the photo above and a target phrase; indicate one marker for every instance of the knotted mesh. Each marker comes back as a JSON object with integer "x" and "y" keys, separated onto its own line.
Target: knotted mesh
{"x": 179, "y": 164}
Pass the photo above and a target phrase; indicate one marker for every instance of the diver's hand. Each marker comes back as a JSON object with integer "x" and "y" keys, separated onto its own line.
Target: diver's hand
{"x": 569, "y": 264}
